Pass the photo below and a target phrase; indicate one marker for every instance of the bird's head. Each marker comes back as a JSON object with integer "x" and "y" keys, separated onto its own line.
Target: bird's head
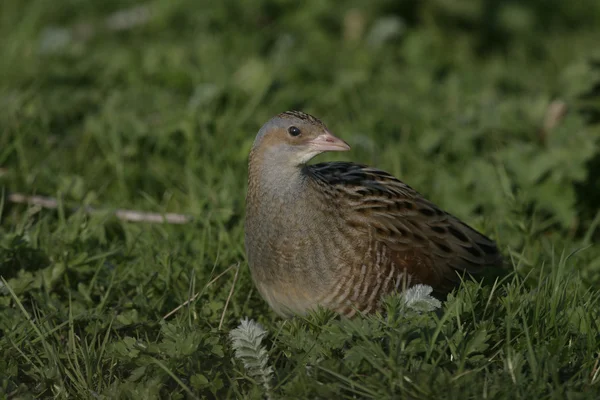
{"x": 293, "y": 138}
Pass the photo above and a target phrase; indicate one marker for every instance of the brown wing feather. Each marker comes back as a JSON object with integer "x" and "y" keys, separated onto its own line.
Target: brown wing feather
{"x": 430, "y": 244}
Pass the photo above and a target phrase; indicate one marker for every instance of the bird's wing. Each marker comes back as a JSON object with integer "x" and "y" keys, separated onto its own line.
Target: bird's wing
{"x": 429, "y": 243}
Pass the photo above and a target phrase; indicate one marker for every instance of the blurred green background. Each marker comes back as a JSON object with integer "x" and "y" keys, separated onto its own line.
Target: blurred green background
{"x": 489, "y": 108}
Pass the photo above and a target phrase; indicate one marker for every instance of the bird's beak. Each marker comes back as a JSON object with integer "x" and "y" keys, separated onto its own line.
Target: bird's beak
{"x": 328, "y": 142}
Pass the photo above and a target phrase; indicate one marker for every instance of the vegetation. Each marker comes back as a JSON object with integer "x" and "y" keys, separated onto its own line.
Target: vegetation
{"x": 489, "y": 108}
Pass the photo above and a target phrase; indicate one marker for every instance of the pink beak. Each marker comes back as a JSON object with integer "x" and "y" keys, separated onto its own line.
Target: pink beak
{"x": 328, "y": 142}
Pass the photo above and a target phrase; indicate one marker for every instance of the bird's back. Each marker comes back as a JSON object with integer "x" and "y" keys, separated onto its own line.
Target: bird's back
{"x": 430, "y": 244}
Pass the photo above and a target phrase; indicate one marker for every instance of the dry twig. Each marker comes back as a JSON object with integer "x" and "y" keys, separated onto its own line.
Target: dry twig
{"x": 555, "y": 113}
{"x": 124, "y": 215}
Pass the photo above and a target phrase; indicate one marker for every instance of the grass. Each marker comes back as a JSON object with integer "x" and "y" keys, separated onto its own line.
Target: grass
{"x": 491, "y": 109}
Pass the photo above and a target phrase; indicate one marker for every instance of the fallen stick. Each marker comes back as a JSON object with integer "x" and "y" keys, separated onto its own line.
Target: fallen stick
{"x": 124, "y": 215}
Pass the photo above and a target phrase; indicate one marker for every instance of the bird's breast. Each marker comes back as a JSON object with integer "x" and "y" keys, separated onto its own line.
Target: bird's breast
{"x": 290, "y": 251}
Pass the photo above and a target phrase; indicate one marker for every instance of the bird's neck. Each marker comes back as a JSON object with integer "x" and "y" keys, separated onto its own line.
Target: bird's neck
{"x": 274, "y": 178}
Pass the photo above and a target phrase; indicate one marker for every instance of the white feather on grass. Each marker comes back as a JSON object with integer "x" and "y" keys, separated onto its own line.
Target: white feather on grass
{"x": 418, "y": 298}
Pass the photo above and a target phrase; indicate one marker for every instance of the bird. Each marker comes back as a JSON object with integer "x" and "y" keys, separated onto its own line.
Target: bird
{"x": 342, "y": 235}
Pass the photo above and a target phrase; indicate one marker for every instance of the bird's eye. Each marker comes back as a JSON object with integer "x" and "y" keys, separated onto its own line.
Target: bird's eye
{"x": 293, "y": 131}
